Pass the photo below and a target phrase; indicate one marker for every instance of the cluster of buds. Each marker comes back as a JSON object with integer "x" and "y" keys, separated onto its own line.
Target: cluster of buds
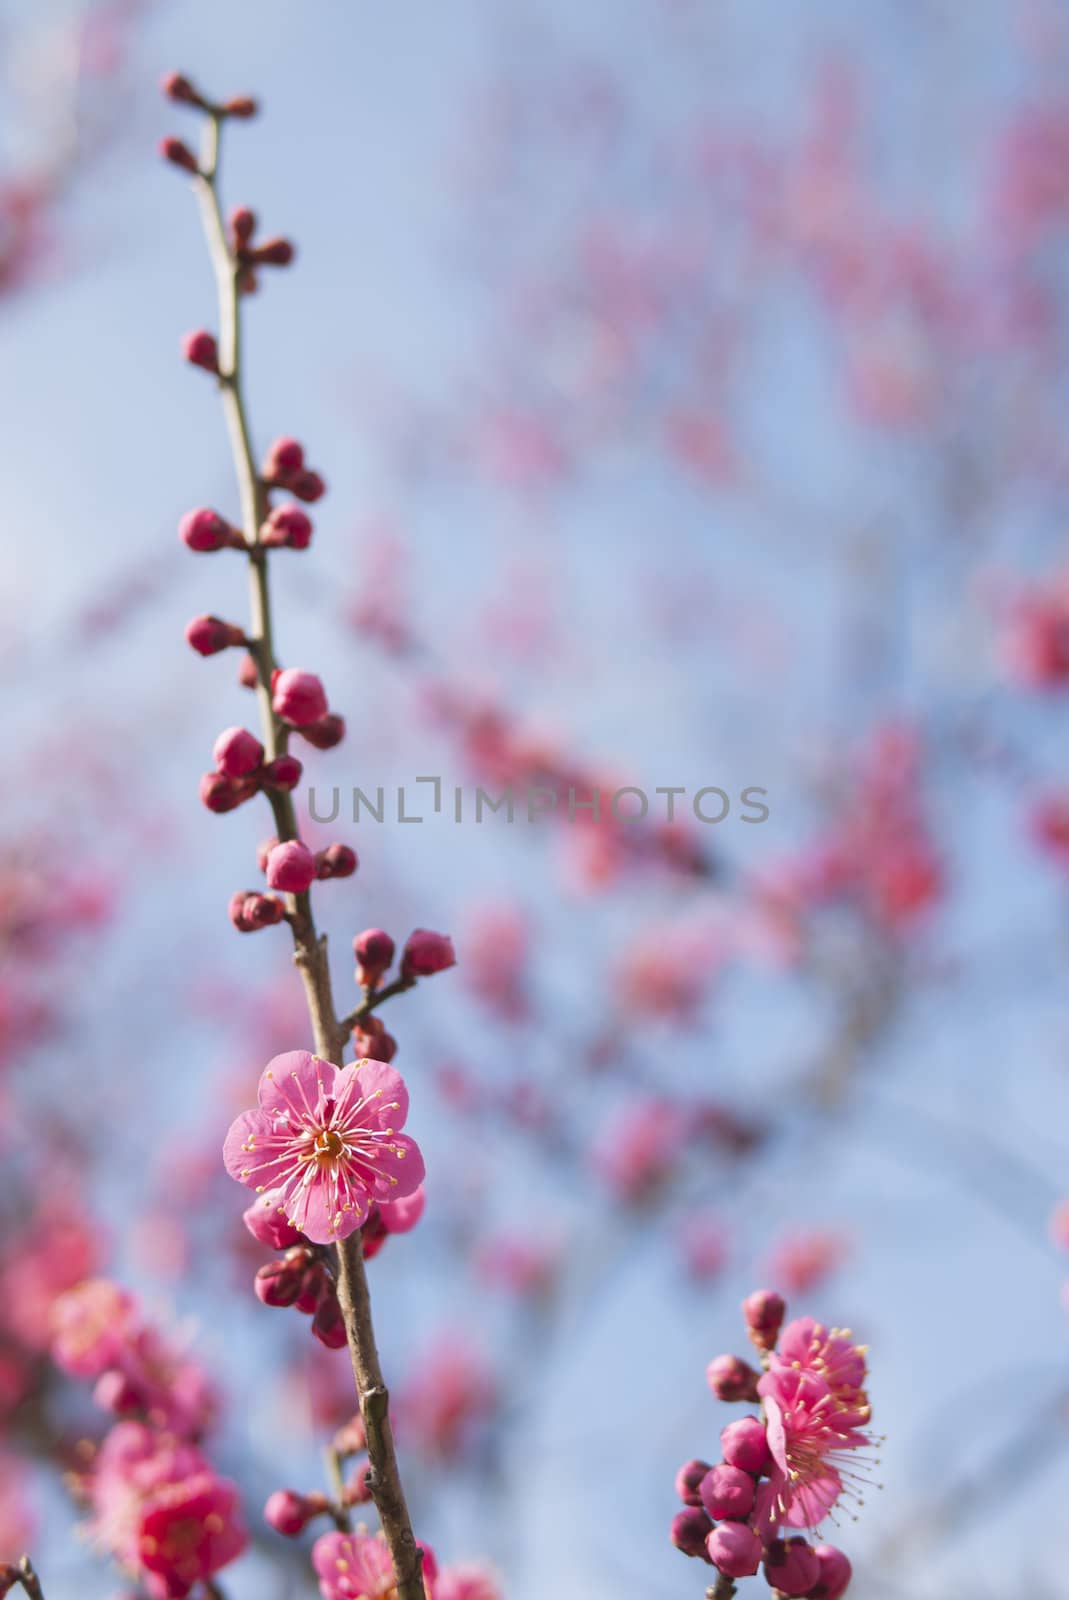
{"x": 783, "y": 1469}
{"x": 248, "y": 255}
{"x": 424, "y": 954}
{"x": 289, "y": 1512}
{"x": 293, "y": 868}
{"x": 242, "y": 770}
{"x": 302, "y": 1275}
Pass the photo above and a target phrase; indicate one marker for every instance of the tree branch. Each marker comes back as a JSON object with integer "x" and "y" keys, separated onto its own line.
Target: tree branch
{"x": 310, "y": 949}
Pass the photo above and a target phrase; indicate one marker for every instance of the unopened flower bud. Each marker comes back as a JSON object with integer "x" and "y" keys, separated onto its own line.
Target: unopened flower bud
{"x": 205, "y": 530}
{"x": 240, "y": 105}
{"x": 791, "y": 1566}
{"x": 326, "y": 733}
{"x": 201, "y": 350}
{"x": 374, "y": 952}
{"x": 731, "y": 1379}
{"x": 328, "y": 1324}
{"x": 280, "y": 1283}
{"x": 250, "y": 910}
{"x": 313, "y": 1286}
{"x": 248, "y": 672}
{"x": 308, "y": 486}
{"x": 764, "y": 1311}
{"x": 690, "y": 1529}
{"x": 237, "y": 753}
{"x": 727, "y": 1492}
{"x": 209, "y": 635}
{"x": 370, "y": 1039}
{"x": 688, "y": 1481}
{"x": 426, "y": 953}
{"x": 283, "y": 459}
{"x": 336, "y": 861}
{"x": 242, "y": 225}
{"x": 220, "y": 793}
{"x": 284, "y": 772}
{"x": 290, "y": 1513}
{"x": 178, "y": 153}
{"x": 835, "y": 1573}
{"x": 745, "y": 1445}
{"x": 273, "y": 253}
{"x": 269, "y": 1226}
{"x": 287, "y": 526}
{"x": 298, "y": 697}
{"x": 177, "y": 87}
{"x": 291, "y": 867}
{"x": 734, "y": 1549}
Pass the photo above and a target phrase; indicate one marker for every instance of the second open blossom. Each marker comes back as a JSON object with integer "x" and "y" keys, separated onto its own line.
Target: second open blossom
{"x": 325, "y": 1143}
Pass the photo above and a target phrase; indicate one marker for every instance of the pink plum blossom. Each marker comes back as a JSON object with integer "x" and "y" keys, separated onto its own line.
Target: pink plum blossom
{"x": 326, "y": 1140}
{"x": 467, "y": 1583}
{"x": 810, "y": 1436}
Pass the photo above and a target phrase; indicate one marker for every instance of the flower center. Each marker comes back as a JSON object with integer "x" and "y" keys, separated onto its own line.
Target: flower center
{"x": 329, "y": 1145}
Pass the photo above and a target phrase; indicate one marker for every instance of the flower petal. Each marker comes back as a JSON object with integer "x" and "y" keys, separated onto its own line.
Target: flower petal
{"x": 398, "y": 1170}
{"x": 295, "y": 1083}
{"x": 254, "y": 1154}
{"x": 380, "y": 1086}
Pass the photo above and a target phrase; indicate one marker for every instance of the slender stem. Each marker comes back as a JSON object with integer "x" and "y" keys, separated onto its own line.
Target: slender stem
{"x": 338, "y": 1511}
{"x": 310, "y": 949}
{"x": 373, "y": 1001}
{"x": 29, "y": 1580}
{"x": 722, "y": 1589}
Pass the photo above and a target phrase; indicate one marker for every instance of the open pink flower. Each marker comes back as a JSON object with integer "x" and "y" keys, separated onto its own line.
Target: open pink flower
{"x": 189, "y": 1530}
{"x": 357, "y": 1566}
{"x": 810, "y": 1434}
{"x": 830, "y": 1353}
{"x": 326, "y": 1139}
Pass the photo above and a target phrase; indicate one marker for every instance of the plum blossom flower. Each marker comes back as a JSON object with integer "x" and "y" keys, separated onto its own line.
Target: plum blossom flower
{"x": 326, "y": 1139}
{"x": 467, "y": 1582}
{"x": 808, "y": 1346}
{"x": 357, "y": 1566}
{"x": 810, "y": 1434}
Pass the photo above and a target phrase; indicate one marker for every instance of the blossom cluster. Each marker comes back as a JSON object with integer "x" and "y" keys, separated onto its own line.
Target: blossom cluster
{"x": 157, "y": 1505}
{"x": 785, "y": 1468}
{"x": 357, "y": 1566}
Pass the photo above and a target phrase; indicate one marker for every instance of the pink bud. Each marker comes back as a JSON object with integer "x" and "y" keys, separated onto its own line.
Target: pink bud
{"x": 727, "y": 1492}
{"x": 201, "y": 350}
{"x": 735, "y": 1549}
{"x": 209, "y": 635}
{"x": 291, "y": 867}
{"x": 426, "y": 953}
{"x": 240, "y": 105}
{"x": 313, "y": 1287}
{"x": 284, "y": 458}
{"x": 204, "y": 530}
{"x": 177, "y": 87}
{"x": 280, "y": 1283}
{"x": 372, "y": 1040}
{"x": 745, "y": 1445}
{"x": 237, "y": 753}
{"x": 731, "y": 1379}
{"x": 1059, "y": 1225}
{"x": 328, "y": 1325}
{"x": 268, "y": 1225}
{"x": 401, "y": 1216}
{"x": 289, "y": 526}
{"x": 308, "y": 486}
{"x": 336, "y": 861}
{"x": 764, "y": 1311}
{"x": 284, "y": 772}
{"x": 220, "y": 793}
{"x": 178, "y": 154}
{"x": 688, "y": 1481}
{"x": 835, "y": 1573}
{"x": 290, "y": 1513}
{"x": 263, "y": 850}
{"x": 248, "y": 672}
{"x": 326, "y": 733}
{"x": 249, "y": 910}
{"x": 242, "y": 225}
{"x": 374, "y": 952}
{"x": 791, "y": 1566}
{"x": 689, "y": 1531}
{"x": 298, "y": 697}
{"x": 274, "y": 253}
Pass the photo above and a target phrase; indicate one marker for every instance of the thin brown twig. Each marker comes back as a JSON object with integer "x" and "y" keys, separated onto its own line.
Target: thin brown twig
{"x": 310, "y": 949}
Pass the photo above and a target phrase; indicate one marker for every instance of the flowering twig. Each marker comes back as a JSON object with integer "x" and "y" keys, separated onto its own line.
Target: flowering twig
{"x": 310, "y": 950}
